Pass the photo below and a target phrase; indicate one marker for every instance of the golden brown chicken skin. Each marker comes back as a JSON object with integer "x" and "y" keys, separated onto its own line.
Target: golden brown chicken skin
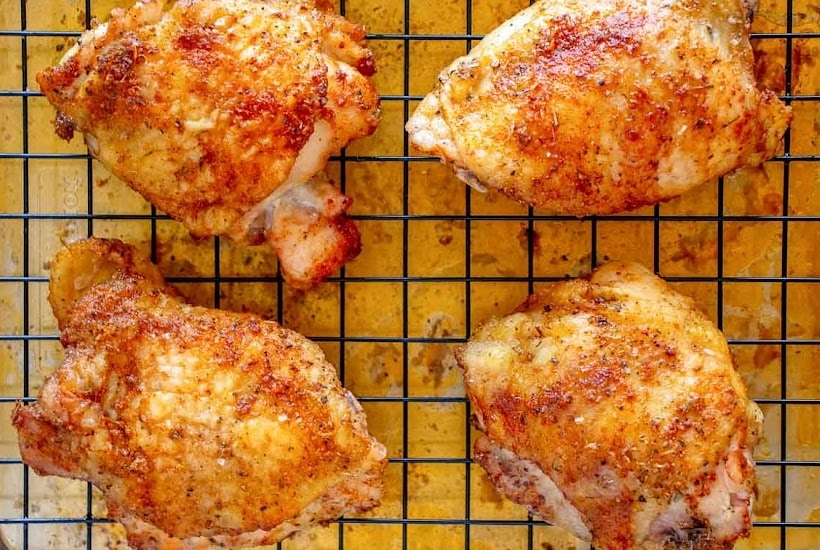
{"x": 611, "y": 407}
{"x": 199, "y": 426}
{"x": 215, "y": 110}
{"x": 585, "y": 108}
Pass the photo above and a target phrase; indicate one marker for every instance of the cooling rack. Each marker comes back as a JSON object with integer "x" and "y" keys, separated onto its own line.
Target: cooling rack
{"x": 438, "y": 258}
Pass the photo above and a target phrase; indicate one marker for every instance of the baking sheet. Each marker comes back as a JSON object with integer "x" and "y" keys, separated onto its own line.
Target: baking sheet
{"x": 745, "y": 248}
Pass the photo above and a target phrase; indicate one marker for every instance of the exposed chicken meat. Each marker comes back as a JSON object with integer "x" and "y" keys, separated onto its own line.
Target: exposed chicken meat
{"x": 310, "y": 233}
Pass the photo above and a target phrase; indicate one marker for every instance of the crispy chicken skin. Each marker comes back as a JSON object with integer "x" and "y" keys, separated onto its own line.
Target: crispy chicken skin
{"x": 611, "y": 407}
{"x": 199, "y": 426}
{"x": 214, "y": 110}
{"x": 584, "y": 107}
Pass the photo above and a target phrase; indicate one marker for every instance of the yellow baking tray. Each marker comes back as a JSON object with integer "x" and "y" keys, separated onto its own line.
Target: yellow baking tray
{"x": 438, "y": 258}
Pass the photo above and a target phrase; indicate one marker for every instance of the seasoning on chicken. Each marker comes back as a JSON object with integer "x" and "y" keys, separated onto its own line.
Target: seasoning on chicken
{"x": 199, "y": 426}
{"x": 216, "y": 111}
{"x": 611, "y": 407}
{"x": 583, "y": 107}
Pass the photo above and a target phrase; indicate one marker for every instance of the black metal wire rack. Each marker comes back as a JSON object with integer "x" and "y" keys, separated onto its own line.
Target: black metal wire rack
{"x": 438, "y": 258}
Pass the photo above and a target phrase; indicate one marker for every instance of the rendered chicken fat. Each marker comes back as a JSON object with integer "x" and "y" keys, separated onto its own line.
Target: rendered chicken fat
{"x": 217, "y": 111}
{"x": 583, "y": 107}
{"x": 200, "y": 427}
{"x": 612, "y": 408}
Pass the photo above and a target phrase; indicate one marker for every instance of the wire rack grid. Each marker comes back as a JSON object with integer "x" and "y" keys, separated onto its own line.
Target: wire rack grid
{"x": 438, "y": 258}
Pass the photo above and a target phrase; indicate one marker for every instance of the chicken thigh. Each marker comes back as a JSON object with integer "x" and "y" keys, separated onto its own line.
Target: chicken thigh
{"x": 199, "y": 426}
{"x": 216, "y": 111}
{"x": 585, "y": 107}
{"x": 611, "y": 407}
